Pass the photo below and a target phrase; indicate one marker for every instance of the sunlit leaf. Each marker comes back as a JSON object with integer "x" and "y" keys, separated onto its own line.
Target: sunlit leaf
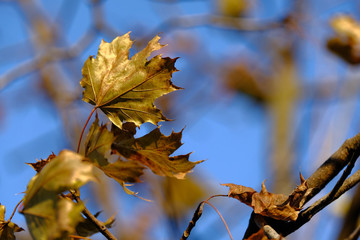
{"x": 7, "y": 228}
{"x": 125, "y": 89}
{"x": 48, "y": 215}
{"x": 98, "y": 148}
{"x": 134, "y": 154}
{"x": 153, "y": 151}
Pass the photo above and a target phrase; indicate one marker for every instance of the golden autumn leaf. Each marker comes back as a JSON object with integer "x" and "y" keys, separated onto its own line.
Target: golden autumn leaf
{"x": 135, "y": 154}
{"x": 125, "y": 89}
{"x": 153, "y": 151}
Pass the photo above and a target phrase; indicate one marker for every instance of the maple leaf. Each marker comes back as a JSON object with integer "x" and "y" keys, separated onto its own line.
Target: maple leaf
{"x": 276, "y": 206}
{"x": 125, "y": 89}
{"x": 7, "y": 228}
{"x": 153, "y": 151}
{"x": 47, "y": 215}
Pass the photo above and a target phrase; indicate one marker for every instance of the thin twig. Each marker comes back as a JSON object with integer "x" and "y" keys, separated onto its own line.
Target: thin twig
{"x": 197, "y": 215}
{"x": 192, "y": 223}
{"x": 227, "y": 228}
{"x": 212, "y": 20}
{"x": 217, "y": 195}
{"x": 98, "y": 224}
{"x": 343, "y": 177}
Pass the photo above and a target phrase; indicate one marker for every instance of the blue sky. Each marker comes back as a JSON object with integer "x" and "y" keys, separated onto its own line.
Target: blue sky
{"x": 230, "y": 132}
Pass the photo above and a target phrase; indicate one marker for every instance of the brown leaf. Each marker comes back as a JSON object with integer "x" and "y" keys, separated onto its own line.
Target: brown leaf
{"x": 124, "y": 171}
{"x": 153, "y": 151}
{"x": 276, "y": 206}
{"x": 241, "y": 193}
{"x": 297, "y": 198}
{"x": 38, "y": 165}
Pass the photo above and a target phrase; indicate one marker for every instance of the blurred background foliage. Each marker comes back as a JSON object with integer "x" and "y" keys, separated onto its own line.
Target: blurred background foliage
{"x": 271, "y": 88}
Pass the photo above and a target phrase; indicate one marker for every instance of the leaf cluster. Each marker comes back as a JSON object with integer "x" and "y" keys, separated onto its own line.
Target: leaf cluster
{"x": 125, "y": 90}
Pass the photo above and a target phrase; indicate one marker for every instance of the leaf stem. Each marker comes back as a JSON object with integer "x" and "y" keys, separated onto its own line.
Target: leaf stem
{"x": 227, "y": 228}
{"x": 12, "y": 215}
{"x": 82, "y": 132}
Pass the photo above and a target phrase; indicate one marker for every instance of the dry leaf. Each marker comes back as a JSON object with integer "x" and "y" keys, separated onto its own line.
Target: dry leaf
{"x": 276, "y": 206}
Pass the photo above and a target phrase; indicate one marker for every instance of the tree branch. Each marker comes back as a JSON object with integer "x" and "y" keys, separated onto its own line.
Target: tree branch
{"x": 195, "y": 218}
{"x": 333, "y": 165}
{"x": 346, "y": 154}
{"x": 288, "y": 227}
{"x": 98, "y": 224}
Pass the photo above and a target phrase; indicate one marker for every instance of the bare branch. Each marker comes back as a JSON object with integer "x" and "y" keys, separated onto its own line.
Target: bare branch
{"x": 346, "y": 154}
{"x": 286, "y": 228}
{"x": 98, "y": 224}
{"x": 331, "y": 167}
{"x": 196, "y": 216}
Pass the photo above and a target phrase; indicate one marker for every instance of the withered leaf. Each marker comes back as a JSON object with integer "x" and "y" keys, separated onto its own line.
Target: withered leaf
{"x": 153, "y": 151}
{"x": 276, "y": 206}
{"x": 38, "y": 165}
{"x": 125, "y": 89}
